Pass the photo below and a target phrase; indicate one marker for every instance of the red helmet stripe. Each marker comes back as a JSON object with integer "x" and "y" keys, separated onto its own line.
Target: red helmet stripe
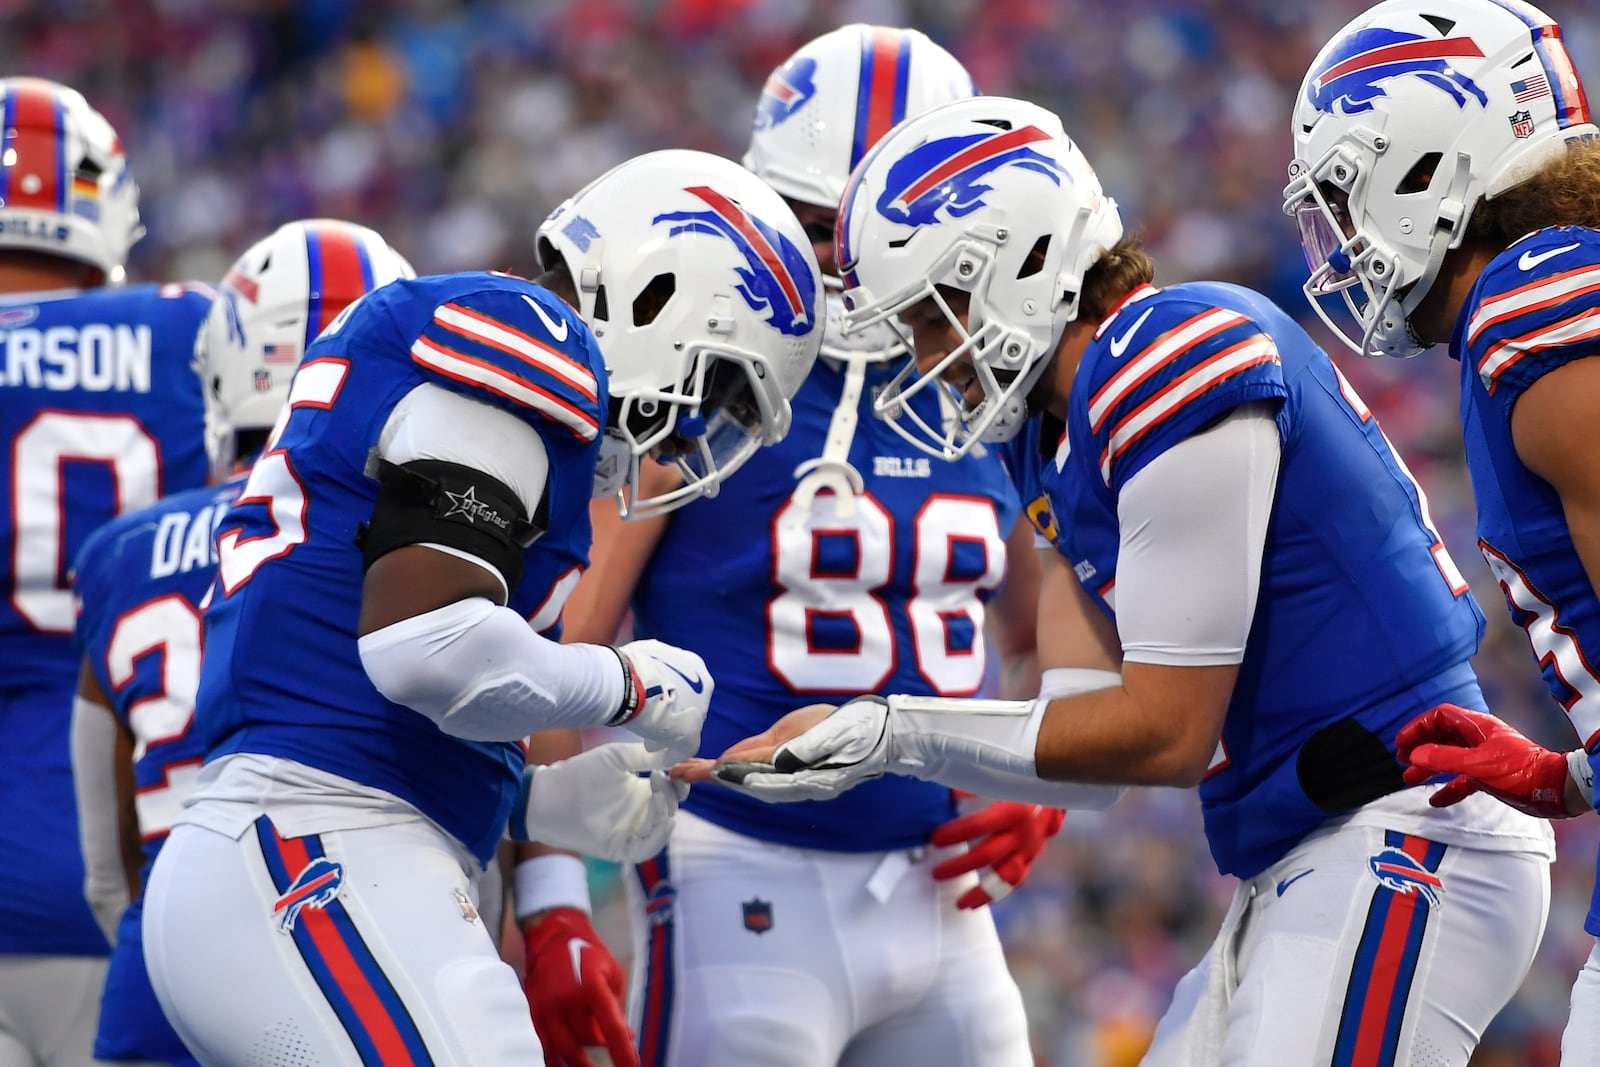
{"x": 337, "y": 273}
{"x": 33, "y": 133}
{"x": 987, "y": 148}
{"x": 1449, "y": 48}
{"x": 763, "y": 248}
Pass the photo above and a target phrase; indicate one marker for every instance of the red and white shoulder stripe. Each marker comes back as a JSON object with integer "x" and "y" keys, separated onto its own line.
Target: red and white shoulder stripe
{"x": 1532, "y": 299}
{"x": 1184, "y": 389}
{"x": 507, "y": 379}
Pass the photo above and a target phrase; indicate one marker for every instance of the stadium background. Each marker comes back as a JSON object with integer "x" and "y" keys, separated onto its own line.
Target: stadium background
{"x": 454, "y": 128}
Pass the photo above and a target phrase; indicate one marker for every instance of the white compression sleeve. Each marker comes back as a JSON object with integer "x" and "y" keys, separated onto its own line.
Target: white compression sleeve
{"x": 987, "y": 746}
{"x": 481, "y": 673}
{"x": 94, "y": 780}
{"x": 1194, "y": 527}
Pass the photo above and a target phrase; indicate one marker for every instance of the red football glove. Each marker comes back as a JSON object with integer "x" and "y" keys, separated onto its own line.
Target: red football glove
{"x": 574, "y": 992}
{"x": 1483, "y": 753}
{"x": 1007, "y": 837}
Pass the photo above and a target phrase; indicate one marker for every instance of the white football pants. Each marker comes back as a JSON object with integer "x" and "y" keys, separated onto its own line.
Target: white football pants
{"x": 342, "y": 948}
{"x": 1362, "y": 947}
{"x": 748, "y": 952}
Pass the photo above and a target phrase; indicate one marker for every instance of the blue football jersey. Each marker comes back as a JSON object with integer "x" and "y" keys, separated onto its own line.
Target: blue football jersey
{"x": 100, "y": 414}
{"x": 140, "y": 581}
{"x": 1534, "y": 308}
{"x": 791, "y": 605}
{"x": 1360, "y": 612}
{"x": 282, "y": 674}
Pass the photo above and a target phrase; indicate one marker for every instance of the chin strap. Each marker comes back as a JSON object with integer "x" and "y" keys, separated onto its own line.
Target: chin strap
{"x": 831, "y": 472}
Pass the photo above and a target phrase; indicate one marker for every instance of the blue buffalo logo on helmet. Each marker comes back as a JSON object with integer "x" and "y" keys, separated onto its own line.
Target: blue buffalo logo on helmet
{"x": 786, "y": 92}
{"x": 314, "y": 887}
{"x": 776, "y": 278}
{"x": 1352, "y": 75}
{"x": 1403, "y": 874}
{"x": 946, "y": 175}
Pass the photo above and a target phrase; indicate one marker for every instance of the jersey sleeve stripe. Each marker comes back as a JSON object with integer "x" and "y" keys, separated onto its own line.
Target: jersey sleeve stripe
{"x": 1535, "y": 296}
{"x": 1167, "y": 347}
{"x": 1200, "y": 379}
{"x": 464, "y": 368}
{"x": 1584, "y": 326}
{"x": 513, "y": 342}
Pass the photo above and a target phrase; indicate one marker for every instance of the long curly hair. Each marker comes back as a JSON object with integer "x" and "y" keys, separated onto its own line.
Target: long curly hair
{"x": 1116, "y": 274}
{"x": 1564, "y": 192}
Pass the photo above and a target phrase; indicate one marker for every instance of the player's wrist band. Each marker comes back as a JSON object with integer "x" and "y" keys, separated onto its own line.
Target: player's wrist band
{"x": 632, "y": 690}
{"x": 556, "y": 880}
{"x": 1582, "y": 772}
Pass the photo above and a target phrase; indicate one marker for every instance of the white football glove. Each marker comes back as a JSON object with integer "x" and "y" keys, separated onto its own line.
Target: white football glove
{"x": 847, "y": 748}
{"x": 670, "y": 690}
{"x": 615, "y": 802}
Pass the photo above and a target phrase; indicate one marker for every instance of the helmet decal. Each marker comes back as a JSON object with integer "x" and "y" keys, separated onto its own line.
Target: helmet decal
{"x": 776, "y": 279}
{"x": 1353, "y": 70}
{"x": 786, "y": 92}
{"x": 947, "y": 174}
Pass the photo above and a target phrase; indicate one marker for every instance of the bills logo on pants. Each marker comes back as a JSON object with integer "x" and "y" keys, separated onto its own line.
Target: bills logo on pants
{"x": 314, "y": 887}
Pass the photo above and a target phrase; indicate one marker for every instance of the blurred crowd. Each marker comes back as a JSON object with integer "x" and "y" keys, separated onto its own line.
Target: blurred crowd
{"x": 454, "y": 127}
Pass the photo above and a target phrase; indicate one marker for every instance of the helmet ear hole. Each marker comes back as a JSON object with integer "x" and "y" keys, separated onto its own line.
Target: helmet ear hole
{"x": 1420, "y": 176}
{"x": 1033, "y": 263}
{"x": 652, "y": 299}
{"x": 602, "y": 307}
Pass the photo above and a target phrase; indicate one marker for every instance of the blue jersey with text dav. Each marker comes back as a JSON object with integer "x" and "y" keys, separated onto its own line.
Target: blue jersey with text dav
{"x": 1535, "y": 308}
{"x": 100, "y": 414}
{"x": 791, "y": 605}
{"x": 1360, "y": 612}
{"x": 282, "y": 674}
{"x": 140, "y": 582}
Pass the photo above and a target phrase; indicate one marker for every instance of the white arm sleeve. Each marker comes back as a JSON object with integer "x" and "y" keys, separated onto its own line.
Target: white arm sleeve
{"x": 431, "y": 422}
{"x": 988, "y": 746}
{"x": 480, "y": 672}
{"x": 94, "y": 780}
{"x": 1194, "y": 526}
{"x": 476, "y": 669}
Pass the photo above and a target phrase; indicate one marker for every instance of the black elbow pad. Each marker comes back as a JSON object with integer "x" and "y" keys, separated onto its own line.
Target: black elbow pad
{"x": 432, "y": 501}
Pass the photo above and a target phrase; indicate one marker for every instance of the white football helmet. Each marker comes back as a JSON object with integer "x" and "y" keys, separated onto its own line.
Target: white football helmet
{"x": 1410, "y": 116}
{"x": 991, "y": 197}
{"x": 65, "y": 189}
{"x": 704, "y": 294}
{"x": 824, "y": 108}
{"x": 272, "y": 303}
{"x": 830, "y": 102}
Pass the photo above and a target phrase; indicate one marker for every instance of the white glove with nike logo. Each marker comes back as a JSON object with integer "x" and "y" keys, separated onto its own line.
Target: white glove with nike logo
{"x": 615, "y": 802}
{"x": 669, "y": 690}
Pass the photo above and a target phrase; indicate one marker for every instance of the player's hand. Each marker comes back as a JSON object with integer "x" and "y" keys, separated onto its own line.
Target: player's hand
{"x": 1485, "y": 754}
{"x": 814, "y": 753}
{"x": 615, "y": 802}
{"x": 575, "y": 990}
{"x": 1006, "y": 837}
{"x": 676, "y": 691}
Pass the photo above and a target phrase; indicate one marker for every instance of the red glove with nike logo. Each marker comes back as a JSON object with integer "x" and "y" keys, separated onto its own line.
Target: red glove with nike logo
{"x": 1006, "y": 837}
{"x": 574, "y": 991}
{"x": 1484, "y": 754}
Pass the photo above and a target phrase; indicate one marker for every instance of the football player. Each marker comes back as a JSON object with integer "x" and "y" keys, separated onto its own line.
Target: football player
{"x": 1450, "y": 197}
{"x": 814, "y": 935}
{"x": 373, "y": 646}
{"x": 1258, "y": 600}
{"x": 99, "y": 414}
{"x": 141, "y": 580}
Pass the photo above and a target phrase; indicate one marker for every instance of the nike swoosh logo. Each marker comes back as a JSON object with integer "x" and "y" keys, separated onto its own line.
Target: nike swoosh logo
{"x": 1528, "y": 261}
{"x": 697, "y": 684}
{"x": 558, "y": 330}
{"x": 1119, "y": 345}
{"x": 1292, "y": 879}
{"x": 575, "y": 948}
